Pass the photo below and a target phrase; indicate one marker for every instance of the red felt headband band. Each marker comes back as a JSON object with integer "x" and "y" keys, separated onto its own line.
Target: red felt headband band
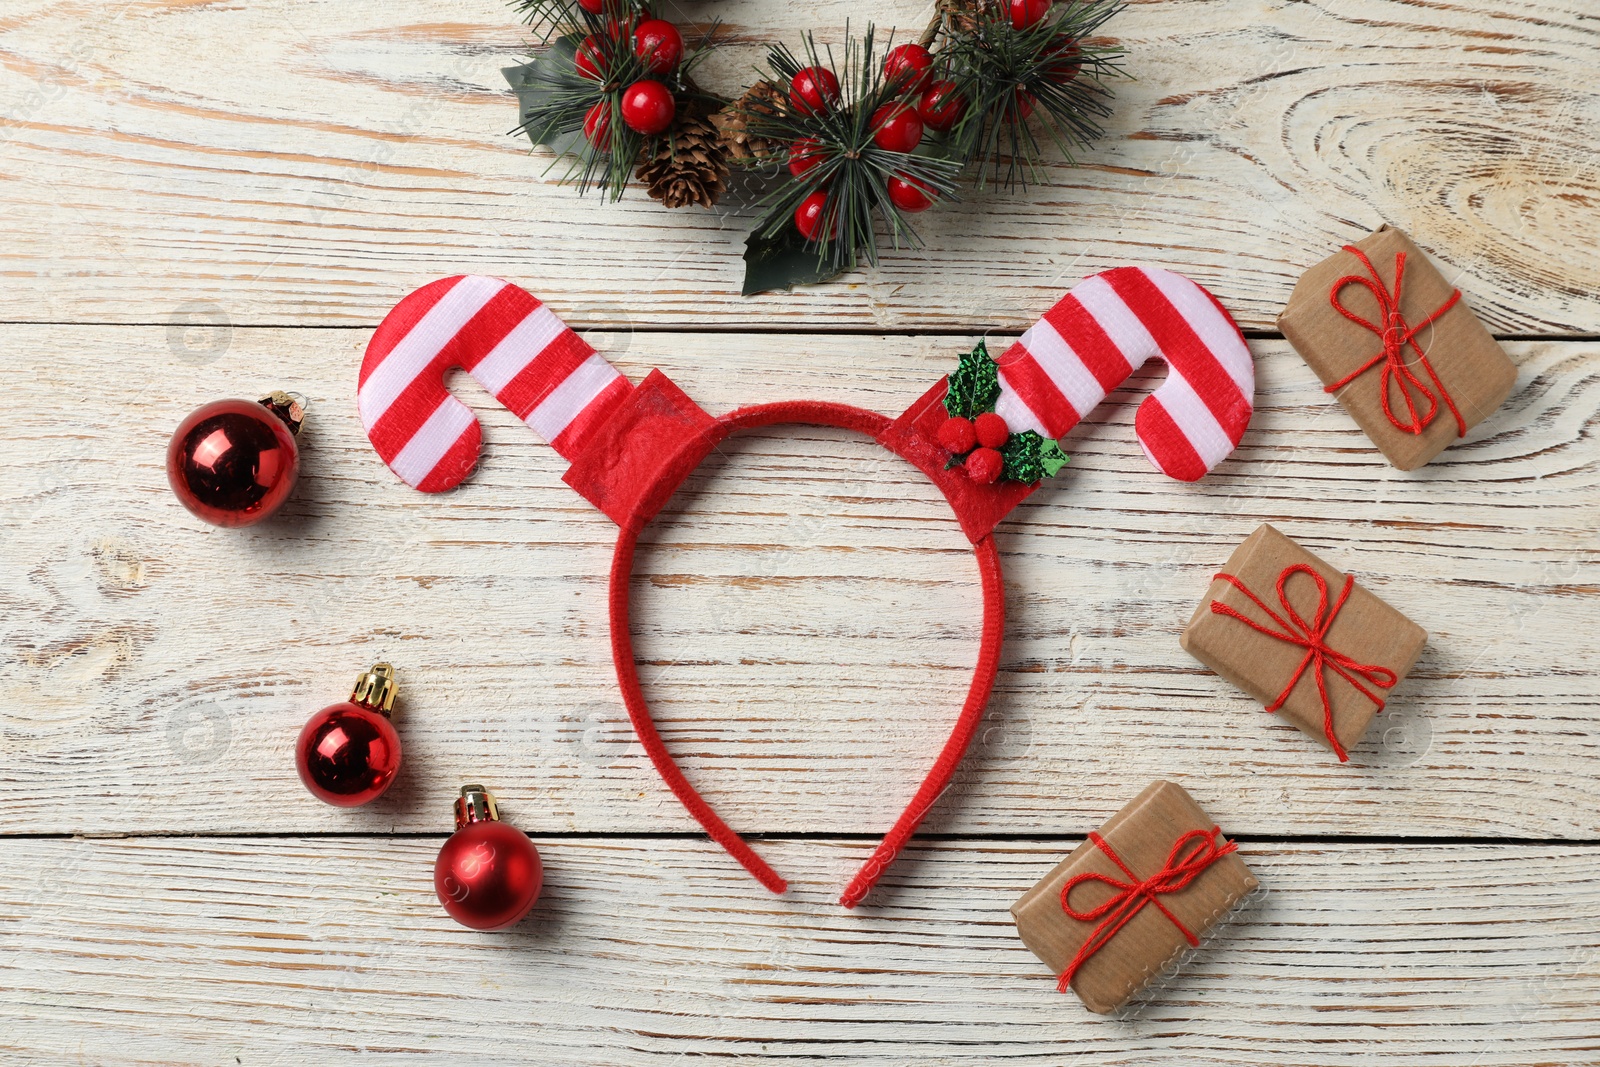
{"x": 632, "y": 447}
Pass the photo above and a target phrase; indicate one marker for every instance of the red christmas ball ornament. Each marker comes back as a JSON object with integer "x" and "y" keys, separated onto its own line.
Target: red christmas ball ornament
{"x": 957, "y": 435}
{"x": 808, "y": 216}
{"x": 1026, "y": 13}
{"x": 908, "y": 194}
{"x": 908, "y": 67}
{"x": 984, "y": 465}
{"x": 941, "y": 107}
{"x": 349, "y": 753}
{"x": 813, "y": 89}
{"x": 804, "y": 155}
{"x": 648, "y": 107}
{"x": 234, "y": 462}
{"x": 597, "y": 125}
{"x": 488, "y": 874}
{"x": 896, "y": 128}
{"x": 590, "y": 60}
{"x": 1066, "y": 60}
{"x": 659, "y": 44}
{"x": 992, "y": 430}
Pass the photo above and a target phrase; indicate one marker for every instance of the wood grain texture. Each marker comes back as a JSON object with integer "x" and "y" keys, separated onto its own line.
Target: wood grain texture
{"x": 648, "y": 951}
{"x": 303, "y": 162}
{"x": 805, "y": 612}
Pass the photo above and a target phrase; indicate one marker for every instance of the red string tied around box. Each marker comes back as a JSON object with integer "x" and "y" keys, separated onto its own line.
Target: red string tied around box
{"x": 1312, "y": 635}
{"x": 1191, "y": 855}
{"x": 1397, "y": 335}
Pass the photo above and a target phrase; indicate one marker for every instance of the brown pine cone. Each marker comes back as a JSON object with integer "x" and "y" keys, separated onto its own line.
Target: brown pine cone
{"x": 690, "y": 164}
{"x": 733, "y": 121}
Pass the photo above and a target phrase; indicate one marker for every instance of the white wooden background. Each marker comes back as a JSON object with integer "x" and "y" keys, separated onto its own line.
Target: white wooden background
{"x": 206, "y": 199}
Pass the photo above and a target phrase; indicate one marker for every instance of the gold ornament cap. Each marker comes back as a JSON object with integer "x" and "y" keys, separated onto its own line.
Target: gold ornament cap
{"x": 289, "y": 408}
{"x": 475, "y": 804}
{"x": 376, "y": 688}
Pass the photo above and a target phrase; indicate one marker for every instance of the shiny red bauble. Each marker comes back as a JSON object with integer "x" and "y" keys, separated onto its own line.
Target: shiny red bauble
{"x": 804, "y": 155}
{"x": 488, "y": 874}
{"x": 896, "y": 128}
{"x": 597, "y": 125}
{"x": 984, "y": 465}
{"x": 808, "y": 216}
{"x": 908, "y": 194}
{"x": 590, "y": 59}
{"x": 907, "y": 67}
{"x": 593, "y": 7}
{"x": 1066, "y": 60}
{"x": 348, "y": 755}
{"x": 1024, "y": 104}
{"x": 941, "y": 107}
{"x": 1026, "y": 13}
{"x": 813, "y": 89}
{"x": 659, "y": 44}
{"x": 234, "y": 462}
{"x": 991, "y": 429}
{"x": 648, "y": 107}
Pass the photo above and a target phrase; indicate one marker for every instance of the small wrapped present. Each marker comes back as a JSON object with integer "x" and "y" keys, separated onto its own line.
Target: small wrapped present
{"x": 1302, "y": 638}
{"x": 1133, "y": 897}
{"x": 1398, "y": 346}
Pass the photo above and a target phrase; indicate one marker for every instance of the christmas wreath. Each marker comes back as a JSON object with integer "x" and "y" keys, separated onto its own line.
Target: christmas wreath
{"x": 849, "y": 148}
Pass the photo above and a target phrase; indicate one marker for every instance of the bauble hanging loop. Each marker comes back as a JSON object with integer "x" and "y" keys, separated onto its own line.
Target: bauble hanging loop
{"x": 234, "y": 462}
{"x": 349, "y": 753}
{"x": 488, "y": 874}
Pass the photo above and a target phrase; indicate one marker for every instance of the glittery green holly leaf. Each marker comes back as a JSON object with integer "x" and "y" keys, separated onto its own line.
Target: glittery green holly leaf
{"x": 1030, "y": 458}
{"x": 974, "y": 385}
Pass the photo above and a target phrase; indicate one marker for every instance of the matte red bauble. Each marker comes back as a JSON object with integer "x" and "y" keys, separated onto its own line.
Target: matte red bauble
{"x": 984, "y": 465}
{"x": 488, "y": 874}
{"x": 941, "y": 107}
{"x": 804, "y": 154}
{"x": 1026, "y": 13}
{"x": 808, "y": 216}
{"x": 648, "y": 107}
{"x": 991, "y": 429}
{"x": 908, "y": 194}
{"x": 597, "y": 125}
{"x": 349, "y": 753}
{"x": 907, "y": 66}
{"x": 813, "y": 89}
{"x": 896, "y": 128}
{"x": 659, "y": 44}
{"x": 234, "y": 462}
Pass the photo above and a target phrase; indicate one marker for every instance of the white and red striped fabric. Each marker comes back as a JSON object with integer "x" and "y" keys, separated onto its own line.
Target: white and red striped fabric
{"x": 503, "y": 336}
{"x": 1104, "y": 330}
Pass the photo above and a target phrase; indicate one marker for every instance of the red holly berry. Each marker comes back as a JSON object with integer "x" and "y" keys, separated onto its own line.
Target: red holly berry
{"x": 590, "y": 60}
{"x": 941, "y": 106}
{"x": 956, "y": 435}
{"x": 648, "y": 107}
{"x": 593, "y": 7}
{"x": 659, "y": 44}
{"x": 984, "y": 465}
{"x": 1025, "y": 13}
{"x": 1066, "y": 60}
{"x": 908, "y": 67}
{"x": 896, "y": 128}
{"x": 1024, "y": 103}
{"x": 908, "y": 194}
{"x": 808, "y": 216}
{"x": 804, "y": 155}
{"x": 597, "y": 125}
{"x": 992, "y": 430}
{"x": 813, "y": 89}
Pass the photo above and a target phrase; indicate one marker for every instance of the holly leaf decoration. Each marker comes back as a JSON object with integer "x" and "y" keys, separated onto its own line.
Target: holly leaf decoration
{"x": 974, "y": 385}
{"x": 1030, "y": 457}
{"x": 781, "y": 261}
{"x": 539, "y": 86}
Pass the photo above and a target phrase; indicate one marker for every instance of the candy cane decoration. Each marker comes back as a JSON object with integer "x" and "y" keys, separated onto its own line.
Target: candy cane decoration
{"x": 1104, "y": 330}
{"x": 503, "y": 336}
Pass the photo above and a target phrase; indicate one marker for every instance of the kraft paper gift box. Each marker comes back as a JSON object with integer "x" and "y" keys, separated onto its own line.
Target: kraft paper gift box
{"x": 1159, "y": 877}
{"x": 1281, "y": 624}
{"x": 1440, "y": 377}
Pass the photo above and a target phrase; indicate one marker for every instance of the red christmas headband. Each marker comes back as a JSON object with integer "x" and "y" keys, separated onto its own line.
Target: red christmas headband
{"x": 631, "y": 447}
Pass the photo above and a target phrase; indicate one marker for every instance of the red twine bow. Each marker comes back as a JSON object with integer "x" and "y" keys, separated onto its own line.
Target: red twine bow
{"x": 1396, "y": 334}
{"x": 1184, "y": 864}
{"x": 1313, "y": 637}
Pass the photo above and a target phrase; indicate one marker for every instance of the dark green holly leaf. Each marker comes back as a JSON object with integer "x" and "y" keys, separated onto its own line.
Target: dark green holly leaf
{"x": 540, "y": 87}
{"x": 1030, "y": 457}
{"x": 781, "y": 261}
{"x": 974, "y": 385}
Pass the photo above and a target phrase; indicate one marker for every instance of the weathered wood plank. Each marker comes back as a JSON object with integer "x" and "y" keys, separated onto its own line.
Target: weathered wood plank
{"x": 805, "y": 612}
{"x": 641, "y": 952}
{"x": 305, "y": 163}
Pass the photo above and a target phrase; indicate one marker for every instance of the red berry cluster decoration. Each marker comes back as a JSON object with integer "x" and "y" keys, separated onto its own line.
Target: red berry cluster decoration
{"x": 652, "y": 48}
{"x": 979, "y": 440}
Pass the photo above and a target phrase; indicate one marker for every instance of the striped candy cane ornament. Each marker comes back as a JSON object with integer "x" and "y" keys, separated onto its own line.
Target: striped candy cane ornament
{"x": 1103, "y": 330}
{"x": 503, "y": 336}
